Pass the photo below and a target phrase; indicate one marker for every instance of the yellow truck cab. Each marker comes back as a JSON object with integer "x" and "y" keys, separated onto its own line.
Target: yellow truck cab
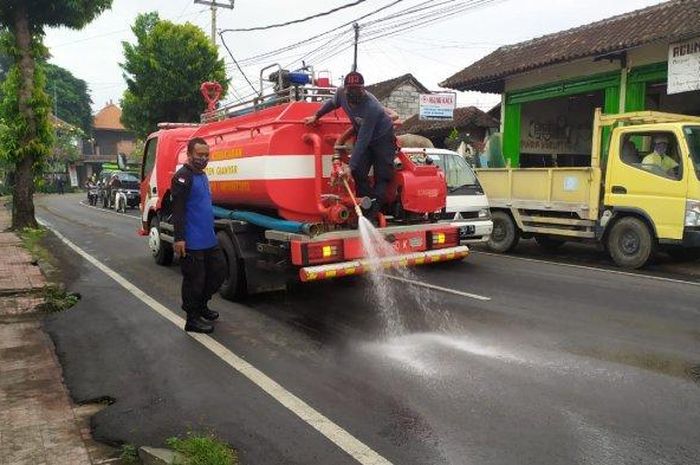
{"x": 643, "y": 196}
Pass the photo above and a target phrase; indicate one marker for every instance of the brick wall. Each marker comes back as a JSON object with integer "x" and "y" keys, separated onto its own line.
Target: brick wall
{"x": 403, "y": 100}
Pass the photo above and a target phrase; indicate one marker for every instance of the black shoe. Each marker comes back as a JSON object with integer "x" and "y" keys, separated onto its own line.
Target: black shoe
{"x": 197, "y": 325}
{"x": 208, "y": 314}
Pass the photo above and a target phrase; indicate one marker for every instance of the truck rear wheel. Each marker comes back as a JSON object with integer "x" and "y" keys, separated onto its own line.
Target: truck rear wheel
{"x": 162, "y": 251}
{"x": 550, "y": 244}
{"x": 505, "y": 234}
{"x": 630, "y": 243}
{"x": 234, "y": 287}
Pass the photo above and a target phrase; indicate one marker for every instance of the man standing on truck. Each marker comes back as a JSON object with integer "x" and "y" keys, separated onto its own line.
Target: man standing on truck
{"x": 659, "y": 156}
{"x": 375, "y": 146}
{"x": 202, "y": 262}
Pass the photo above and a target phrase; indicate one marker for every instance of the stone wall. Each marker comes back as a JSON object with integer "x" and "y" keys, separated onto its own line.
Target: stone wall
{"x": 403, "y": 100}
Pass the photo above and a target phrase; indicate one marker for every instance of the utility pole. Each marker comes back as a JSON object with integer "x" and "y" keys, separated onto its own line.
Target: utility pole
{"x": 356, "y": 27}
{"x": 214, "y": 4}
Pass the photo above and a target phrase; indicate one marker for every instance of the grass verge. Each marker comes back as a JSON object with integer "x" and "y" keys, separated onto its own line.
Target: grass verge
{"x": 129, "y": 455}
{"x": 204, "y": 449}
{"x": 31, "y": 240}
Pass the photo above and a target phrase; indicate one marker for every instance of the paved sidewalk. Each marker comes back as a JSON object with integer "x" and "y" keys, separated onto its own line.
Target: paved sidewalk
{"x": 38, "y": 423}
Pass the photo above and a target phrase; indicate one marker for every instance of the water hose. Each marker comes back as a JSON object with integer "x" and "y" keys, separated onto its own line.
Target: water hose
{"x": 268, "y": 222}
{"x": 358, "y": 210}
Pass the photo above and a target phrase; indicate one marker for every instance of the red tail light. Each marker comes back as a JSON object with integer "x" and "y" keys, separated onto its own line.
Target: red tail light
{"x": 322, "y": 252}
{"x": 443, "y": 238}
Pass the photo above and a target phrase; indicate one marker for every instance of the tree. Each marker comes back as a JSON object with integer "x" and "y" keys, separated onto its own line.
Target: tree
{"x": 72, "y": 98}
{"x": 163, "y": 72}
{"x": 26, "y": 134}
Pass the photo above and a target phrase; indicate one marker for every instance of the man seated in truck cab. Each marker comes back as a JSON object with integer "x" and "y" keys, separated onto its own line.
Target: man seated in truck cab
{"x": 659, "y": 157}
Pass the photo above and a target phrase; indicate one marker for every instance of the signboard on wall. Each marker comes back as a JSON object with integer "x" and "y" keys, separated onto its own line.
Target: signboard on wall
{"x": 437, "y": 106}
{"x": 73, "y": 174}
{"x": 684, "y": 66}
{"x": 557, "y": 126}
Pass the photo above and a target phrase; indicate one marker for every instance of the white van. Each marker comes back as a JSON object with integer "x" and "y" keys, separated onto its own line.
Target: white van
{"x": 467, "y": 203}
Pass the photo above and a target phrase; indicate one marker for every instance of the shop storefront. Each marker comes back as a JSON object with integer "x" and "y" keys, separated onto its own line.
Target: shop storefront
{"x": 550, "y": 86}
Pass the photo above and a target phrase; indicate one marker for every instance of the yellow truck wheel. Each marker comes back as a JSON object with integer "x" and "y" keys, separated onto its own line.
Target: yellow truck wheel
{"x": 505, "y": 234}
{"x": 630, "y": 243}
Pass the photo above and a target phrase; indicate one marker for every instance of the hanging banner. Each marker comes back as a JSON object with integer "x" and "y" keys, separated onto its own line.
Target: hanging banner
{"x": 437, "y": 106}
{"x": 684, "y": 66}
{"x": 73, "y": 173}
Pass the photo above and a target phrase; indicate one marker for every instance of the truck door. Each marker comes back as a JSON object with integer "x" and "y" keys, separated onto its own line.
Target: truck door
{"x": 148, "y": 176}
{"x": 646, "y": 174}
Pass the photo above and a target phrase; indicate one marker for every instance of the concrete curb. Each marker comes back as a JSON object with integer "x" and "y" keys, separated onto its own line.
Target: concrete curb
{"x": 156, "y": 456}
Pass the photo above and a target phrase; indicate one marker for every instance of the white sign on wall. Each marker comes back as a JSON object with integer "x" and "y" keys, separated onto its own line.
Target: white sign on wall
{"x": 437, "y": 106}
{"x": 684, "y": 66}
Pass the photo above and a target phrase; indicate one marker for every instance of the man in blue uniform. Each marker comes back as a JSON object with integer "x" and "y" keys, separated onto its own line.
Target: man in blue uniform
{"x": 375, "y": 146}
{"x": 202, "y": 262}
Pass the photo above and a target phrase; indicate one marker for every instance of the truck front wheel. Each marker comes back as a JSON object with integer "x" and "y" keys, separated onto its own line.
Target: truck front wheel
{"x": 505, "y": 234}
{"x": 234, "y": 287}
{"x": 630, "y": 243}
{"x": 162, "y": 251}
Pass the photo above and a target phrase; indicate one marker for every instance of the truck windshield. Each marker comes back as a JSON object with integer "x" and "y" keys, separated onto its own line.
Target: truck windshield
{"x": 692, "y": 135}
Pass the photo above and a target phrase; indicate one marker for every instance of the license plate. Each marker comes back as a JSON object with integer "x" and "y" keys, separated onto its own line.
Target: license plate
{"x": 466, "y": 231}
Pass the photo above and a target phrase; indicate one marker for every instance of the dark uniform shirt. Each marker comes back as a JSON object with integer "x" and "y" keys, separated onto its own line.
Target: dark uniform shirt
{"x": 193, "y": 216}
{"x": 368, "y": 118}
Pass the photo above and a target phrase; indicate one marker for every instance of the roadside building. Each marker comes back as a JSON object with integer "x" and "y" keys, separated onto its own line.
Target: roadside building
{"x": 401, "y": 94}
{"x": 647, "y": 59}
{"x": 469, "y": 125}
{"x": 110, "y": 138}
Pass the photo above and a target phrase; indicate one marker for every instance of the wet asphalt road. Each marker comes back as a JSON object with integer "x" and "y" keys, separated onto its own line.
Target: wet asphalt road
{"x": 563, "y": 365}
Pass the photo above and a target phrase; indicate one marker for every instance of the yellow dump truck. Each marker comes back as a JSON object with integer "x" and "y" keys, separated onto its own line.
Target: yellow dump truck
{"x": 637, "y": 200}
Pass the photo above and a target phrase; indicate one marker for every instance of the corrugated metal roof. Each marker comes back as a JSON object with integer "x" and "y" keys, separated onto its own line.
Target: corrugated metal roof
{"x": 669, "y": 21}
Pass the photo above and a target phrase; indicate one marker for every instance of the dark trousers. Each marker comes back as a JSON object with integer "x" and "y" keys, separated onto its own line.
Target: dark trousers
{"x": 203, "y": 272}
{"x": 380, "y": 156}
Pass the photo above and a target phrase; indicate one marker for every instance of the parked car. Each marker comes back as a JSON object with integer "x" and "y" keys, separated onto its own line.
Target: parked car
{"x": 119, "y": 190}
{"x": 466, "y": 201}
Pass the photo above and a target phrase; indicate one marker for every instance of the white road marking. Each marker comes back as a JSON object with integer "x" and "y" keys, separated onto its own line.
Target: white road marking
{"x": 594, "y": 268}
{"x": 437, "y": 288}
{"x": 344, "y": 440}
{"x": 108, "y": 210}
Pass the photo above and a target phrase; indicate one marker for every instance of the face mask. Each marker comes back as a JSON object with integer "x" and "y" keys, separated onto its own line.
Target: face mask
{"x": 200, "y": 163}
{"x": 355, "y": 98}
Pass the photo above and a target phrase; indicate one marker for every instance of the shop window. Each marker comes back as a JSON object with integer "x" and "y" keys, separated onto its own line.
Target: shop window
{"x": 653, "y": 152}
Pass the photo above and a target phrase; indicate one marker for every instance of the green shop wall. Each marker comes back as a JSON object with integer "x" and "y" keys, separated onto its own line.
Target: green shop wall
{"x": 637, "y": 80}
{"x": 609, "y": 83}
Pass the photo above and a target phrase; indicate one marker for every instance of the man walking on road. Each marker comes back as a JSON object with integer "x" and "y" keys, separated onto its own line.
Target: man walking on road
{"x": 375, "y": 145}
{"x": 202, "y": 262}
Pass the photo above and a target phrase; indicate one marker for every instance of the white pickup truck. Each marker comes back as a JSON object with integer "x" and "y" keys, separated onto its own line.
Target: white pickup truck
{"x": 467, "y": 203}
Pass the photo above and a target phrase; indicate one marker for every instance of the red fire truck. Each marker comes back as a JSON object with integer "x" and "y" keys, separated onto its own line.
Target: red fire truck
{"x": 283, "y": 212}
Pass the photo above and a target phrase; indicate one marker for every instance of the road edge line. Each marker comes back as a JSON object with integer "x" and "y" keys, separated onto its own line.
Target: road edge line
{"x": 336, "y": 434}
{"x": 437, "y": 288}
{"x": 586, "y": 267}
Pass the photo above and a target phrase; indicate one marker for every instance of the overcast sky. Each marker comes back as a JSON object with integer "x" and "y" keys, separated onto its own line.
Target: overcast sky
{"x": 432, "y": 52}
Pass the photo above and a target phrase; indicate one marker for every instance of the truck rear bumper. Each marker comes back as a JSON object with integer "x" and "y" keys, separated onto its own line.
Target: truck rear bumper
{"x": 356, "y": 267}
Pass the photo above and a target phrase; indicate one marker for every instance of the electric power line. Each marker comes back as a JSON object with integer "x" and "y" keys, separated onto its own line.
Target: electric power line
{"x": 223, "y": 42}
{"x": 296, "y": 21}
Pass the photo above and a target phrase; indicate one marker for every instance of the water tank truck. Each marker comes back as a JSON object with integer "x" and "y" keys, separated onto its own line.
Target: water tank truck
{"x": 283, "y": 212}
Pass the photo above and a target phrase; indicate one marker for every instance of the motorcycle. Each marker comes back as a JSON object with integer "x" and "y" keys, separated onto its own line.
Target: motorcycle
{"x": 92, "y": 194}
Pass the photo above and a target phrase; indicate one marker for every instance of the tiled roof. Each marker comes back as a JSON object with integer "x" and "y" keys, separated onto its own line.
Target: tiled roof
{"x": 463, "y": 117}
{"x": 109, "y": 117}
{"x": 669, "y": 21}
{"x": 383, "y": 89}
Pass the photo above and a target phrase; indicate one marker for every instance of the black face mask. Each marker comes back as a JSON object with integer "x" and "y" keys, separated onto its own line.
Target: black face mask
{"x": 200, "y": 163}
{"x": 355, "y": 98}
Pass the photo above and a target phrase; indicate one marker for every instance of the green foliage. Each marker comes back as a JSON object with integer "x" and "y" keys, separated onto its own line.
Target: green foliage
{"x": 57, "y": 299}
{"x": 163, "y": 72}
{"x": 201, "y": 449}
{"x": 129, "y": 455}
{"x": 72, "y": 97}
{"x": 74, "y": 14}
{"x": 17, "y": 140}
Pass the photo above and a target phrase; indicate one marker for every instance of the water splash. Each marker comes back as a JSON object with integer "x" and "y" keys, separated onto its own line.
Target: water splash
{"x": 385, "y": 294}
